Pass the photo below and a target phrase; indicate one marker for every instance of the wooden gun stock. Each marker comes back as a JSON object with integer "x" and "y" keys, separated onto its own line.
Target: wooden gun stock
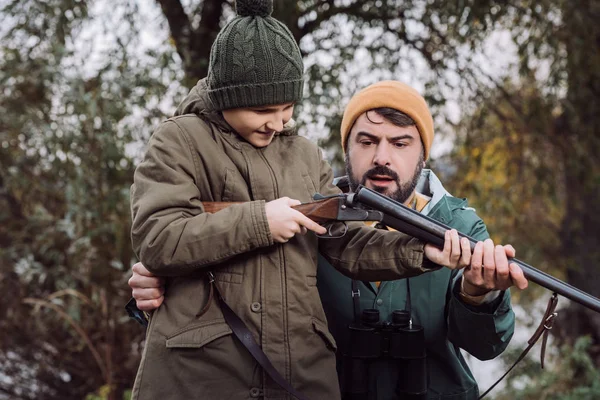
{"x": 319, "y": 211}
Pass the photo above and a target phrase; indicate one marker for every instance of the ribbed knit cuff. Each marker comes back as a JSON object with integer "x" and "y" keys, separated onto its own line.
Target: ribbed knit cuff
{"x": 256, "y": 95}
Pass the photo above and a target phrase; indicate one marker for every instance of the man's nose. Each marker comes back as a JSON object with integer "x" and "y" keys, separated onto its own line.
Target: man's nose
{"x": 275, "y": 123}
{"x": 382, "y": 155}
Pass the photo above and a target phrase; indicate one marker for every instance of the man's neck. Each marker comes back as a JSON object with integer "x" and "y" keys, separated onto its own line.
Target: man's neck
{"x": 409, "y": 202}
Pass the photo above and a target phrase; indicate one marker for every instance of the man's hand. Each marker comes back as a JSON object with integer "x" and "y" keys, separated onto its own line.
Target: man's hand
{"x": 285, "y": 222}
{"x": 147, "y": 289}
{"x": 456, "y": 253}
{"x": 489, "y": 270}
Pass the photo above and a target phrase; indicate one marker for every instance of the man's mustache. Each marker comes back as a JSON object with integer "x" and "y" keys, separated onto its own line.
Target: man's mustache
{"x": 380, "y": 170}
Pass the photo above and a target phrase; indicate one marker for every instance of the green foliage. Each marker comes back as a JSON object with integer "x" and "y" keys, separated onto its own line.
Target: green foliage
{"x": 65, "y": 174}
{"x": 104, "y": 394}
{"x": 571, "y": 375}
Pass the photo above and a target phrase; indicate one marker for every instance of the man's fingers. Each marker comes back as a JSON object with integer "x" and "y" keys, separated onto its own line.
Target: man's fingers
{"x": 455, "y": 240}
{"x": 147, "y": 294}
{"x": 502, "y": 271}
{"x": 517, "y": 276}
{"x": 489, "y": 265}
{"x": 465, "y": 252}
{"x": 149, "y": 305}
{"x": 139, "y": 268}
{"x": 510, "y": 251}
{"x": 138, "y": 281}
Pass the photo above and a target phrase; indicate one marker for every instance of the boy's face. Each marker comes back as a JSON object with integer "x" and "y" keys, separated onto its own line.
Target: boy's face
{"x": 384, "y": 157}
{"x": 258, "y": 125}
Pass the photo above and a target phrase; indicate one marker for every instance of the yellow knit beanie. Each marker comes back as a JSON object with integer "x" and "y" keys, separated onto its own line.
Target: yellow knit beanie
{"x": 391, "y": 94}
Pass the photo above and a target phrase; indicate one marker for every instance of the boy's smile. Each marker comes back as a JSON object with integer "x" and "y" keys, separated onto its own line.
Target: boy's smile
{"x": 258, "y": 125}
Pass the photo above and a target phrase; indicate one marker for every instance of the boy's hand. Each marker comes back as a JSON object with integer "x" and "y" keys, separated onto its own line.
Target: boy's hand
{"x": 147, "y": 289}
{"x": 285, "y": 222}
{"x": 456, "y": 253}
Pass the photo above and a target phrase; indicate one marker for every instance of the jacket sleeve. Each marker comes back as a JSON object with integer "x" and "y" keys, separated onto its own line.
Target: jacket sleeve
{"x": 365, "y": 253}
{"x": 171, "y": 233}
{"x": 485, "y": 330}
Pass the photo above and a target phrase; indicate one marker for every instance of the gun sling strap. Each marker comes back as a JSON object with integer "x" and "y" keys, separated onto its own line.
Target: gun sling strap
{"x": 541, "y": 331}
{"x": 241, "y": 331}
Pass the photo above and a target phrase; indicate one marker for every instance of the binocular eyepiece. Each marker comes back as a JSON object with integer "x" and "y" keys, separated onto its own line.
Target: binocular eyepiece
{"x": 399, "y": 341}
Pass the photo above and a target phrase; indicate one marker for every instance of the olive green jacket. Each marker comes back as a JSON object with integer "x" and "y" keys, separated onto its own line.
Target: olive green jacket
{"x": 449, "y": 324}
{"x": 196, "y": 157}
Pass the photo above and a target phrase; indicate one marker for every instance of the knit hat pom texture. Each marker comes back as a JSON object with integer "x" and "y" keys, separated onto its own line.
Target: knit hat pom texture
{"x": 254, "y": 8}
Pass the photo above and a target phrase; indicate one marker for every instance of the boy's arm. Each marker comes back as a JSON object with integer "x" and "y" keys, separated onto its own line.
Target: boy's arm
{"x": 171, "y": 233}
{"x": 370, "y": 254}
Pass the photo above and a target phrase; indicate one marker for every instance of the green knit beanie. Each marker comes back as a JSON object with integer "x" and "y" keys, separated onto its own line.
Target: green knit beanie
{"x": 254, "y": 60}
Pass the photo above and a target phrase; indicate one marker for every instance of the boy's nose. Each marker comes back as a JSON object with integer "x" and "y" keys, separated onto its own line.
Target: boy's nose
{"x": 275, "y": 124}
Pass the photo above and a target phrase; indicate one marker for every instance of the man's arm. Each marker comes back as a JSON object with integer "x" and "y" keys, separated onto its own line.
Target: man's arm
{"x": 480, "y": 317}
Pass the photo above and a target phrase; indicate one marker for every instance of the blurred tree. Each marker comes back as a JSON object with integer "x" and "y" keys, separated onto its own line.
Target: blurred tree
{"x": 64, "y": 194}
{"x": 529, "y": 154}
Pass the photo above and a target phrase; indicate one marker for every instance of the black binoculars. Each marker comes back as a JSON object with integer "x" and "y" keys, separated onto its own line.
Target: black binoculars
{"x": 399, "y": 341}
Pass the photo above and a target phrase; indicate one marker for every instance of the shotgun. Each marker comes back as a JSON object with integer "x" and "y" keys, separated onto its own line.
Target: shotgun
{"x": 368, "y": 205}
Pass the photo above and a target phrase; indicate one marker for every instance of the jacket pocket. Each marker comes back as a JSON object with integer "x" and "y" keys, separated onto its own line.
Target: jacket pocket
{"x": 311, "y": 280}
{"x": 228, "y": 192}
{"x": 322, "y": 330}
{"x": 310, "y": 186}
{"x": 198, "y": 335}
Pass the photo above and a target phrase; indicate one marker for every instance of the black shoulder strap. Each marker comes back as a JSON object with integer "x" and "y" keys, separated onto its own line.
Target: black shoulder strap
{"x": 241, "y": 331}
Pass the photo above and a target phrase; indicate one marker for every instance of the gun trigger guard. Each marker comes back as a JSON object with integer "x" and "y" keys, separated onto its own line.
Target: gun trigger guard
{"x": 329, "y": 235}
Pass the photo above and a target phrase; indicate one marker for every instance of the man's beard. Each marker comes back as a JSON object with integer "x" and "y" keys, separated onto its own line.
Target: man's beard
{"x": 404, "y": 191}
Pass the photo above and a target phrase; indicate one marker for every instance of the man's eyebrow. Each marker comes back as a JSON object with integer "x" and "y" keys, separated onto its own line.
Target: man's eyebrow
{"x": 401, "y": 137}
{"x": 368, "y": 135}
{"x": 377, "y": 138}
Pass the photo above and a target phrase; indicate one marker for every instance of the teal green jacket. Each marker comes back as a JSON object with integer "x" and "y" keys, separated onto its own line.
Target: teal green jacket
{"x": 449, "y": 324}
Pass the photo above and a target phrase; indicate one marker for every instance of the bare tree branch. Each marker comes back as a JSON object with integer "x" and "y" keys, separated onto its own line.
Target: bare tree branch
{"x": 179, "y": 25}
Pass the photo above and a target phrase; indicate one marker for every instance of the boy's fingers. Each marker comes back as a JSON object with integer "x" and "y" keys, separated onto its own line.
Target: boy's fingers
{"x": 293, "y": 202}
{"x": 303, "y": 220}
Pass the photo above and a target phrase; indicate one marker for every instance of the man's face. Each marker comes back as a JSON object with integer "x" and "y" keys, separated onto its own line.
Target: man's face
{"x": 258, "y": 125}
{"x": 384, "y": 157}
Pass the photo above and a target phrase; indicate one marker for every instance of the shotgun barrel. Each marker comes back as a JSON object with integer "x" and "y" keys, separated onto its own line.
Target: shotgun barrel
{"x": 404, "y": 219}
